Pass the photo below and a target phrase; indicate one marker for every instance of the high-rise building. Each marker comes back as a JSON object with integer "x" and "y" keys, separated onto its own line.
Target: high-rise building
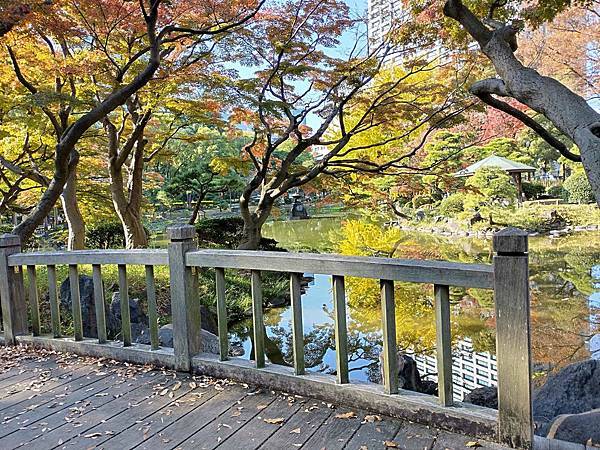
{"x": 382, "y": 15}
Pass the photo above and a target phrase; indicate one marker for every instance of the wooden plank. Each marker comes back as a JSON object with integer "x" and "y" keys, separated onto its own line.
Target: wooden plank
{"x": 99, "y": 303}
{"x": 53, "y": 296}
{"x": 222, "y": 314}
{"x": 374, "y": 431}
{"x": 152, "y": 307}
{"x": 341, "y": 329}
{"x": 60, "y": 429}
{"x": 257, "y": 320}
{"x": 37, "y": 410}
{"x": 75, "y": 302}
{"x": 414, "y": 436}
{"x": 254, "y": 433}
{"x": 408, "y": 406}
{"x": 143, "y": 257}
{"x": 189, "y": 418}
{"x": 297, "y": 327}
{"x": 125, "y": 313}
{"x": 34, "y": 302}
{"x": 300, "y": 427}
{"x": 443, "y": 344}
{"x": 417, "y": 271}
{"x": 210, "y": 436}
{"x": 334, "y": 433}
{"x": 390, "y": 351}
{"x": 513, "y": 338}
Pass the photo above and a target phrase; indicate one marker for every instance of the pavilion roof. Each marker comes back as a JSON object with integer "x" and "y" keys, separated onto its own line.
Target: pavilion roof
{"x": 495, "y": 161}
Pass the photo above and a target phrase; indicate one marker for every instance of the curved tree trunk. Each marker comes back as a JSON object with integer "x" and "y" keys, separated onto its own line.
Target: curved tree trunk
{"x": 568, "y": 111}
{"x": 253, "y": 222}
{"x": 135, "y": 235}
{"x": 73, "y": 215}
{"x": 196, "y": 209}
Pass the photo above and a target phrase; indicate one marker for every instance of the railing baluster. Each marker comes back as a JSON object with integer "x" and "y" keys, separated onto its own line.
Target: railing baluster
{"x": 341, "y": 330}
{"x": 152, "y": 308}
{"x": 125, "y": 314}
{"x": 34, "y": 303}
{"x": 443, "y": 344}
{"x": 297, "y": 327}
{"x": 390, "y": 353}
{"x": 257, "y": 319}
{"x": 53, "y": 297}
{"x": 99, "y": 303}
{"x": 75, "y": 302}
{"x": 222, "y": 313}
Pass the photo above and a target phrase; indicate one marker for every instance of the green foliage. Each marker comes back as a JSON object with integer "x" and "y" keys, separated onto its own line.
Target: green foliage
{"x": 533, "y": 191}
{"x": 558, "y": 192}
{"x": 452, "y": 205}
{"x": 226, "y": 232}
{"x": 105, "y": 235}
{"x": 493, "y": 185}
{"x": 579, "y": 189}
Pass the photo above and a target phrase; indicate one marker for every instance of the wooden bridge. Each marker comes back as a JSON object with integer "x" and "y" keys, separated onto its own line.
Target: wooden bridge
{"x": 206, "y": 408}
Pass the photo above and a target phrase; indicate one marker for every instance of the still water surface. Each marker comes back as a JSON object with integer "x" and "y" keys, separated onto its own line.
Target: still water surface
{"x": 565, "y": 287}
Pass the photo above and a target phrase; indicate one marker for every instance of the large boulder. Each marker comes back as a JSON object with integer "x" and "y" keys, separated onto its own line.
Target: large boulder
{"x": 483, "y": 396}
{"x": 208, "y": 320}
{"x": 88, "y": 306}
{"x": 581, "y": 428}
{"x": 409, "y": 377}
{"x": 209, "y": 341}
{"x": 573, "y": 390}
{"x": 113, "y": 317}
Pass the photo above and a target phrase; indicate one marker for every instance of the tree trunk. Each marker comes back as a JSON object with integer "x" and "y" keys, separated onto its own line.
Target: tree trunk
{"x": 569, "y": 112}
{"x": 73, "y": 215}
{"x": 197, "y": 207}
{"x": 253, "y": 222}
{"x": 133, "y": 228}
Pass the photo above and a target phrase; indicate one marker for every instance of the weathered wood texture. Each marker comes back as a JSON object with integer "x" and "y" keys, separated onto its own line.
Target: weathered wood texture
{"x": 297, "y": 328}
{"x": 222, "y": 313}
{"x": 99, "y": 303}
{"x": 341, "y": 329}
{"x": 79, "y": 403}
{"x": 258, "y": 324}
{"x": 125, "y": 313}
{"x": 54, "y": 306}
{"x": 418, "y": 271}
{"x": 185, "y": 307}
{"x": 12, "y": 295}
{"x": 152, "y": 307}
{"x": 34, "y": 301}
{"x": 390, "y": 350}
{"x": 75, "y": 302}
{"x": 128, "y": 257}
{"x": 443, "y": 344}
{"x": 513, "y": 339}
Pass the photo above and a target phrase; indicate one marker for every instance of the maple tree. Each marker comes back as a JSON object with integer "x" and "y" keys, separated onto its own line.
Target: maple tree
{"x": 308, "y": 95}
{"x": 123, "y": 45}
{"x": 495, "y": 26}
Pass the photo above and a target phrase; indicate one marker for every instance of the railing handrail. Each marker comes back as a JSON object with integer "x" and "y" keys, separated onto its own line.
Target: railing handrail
{"x": 154, "y": 257}
{"x": 408, "y": 270}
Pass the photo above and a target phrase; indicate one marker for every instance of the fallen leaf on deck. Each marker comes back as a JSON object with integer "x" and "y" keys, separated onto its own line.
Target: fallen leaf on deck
{"x": 193, "y": 385}
{"x": 92, "y": 435}
{"x": 472, "y": 444}
{"x": 372, "y": 418}
{"x": 261, "y": 406}
{"x": 295, "y": 431}
{"x": 275, "y": 421}
{"x": 363, "y": 447}
{"x": 236, "y": 414}
{"x": 176, "y": 386}
{"x": 348, "y": 415}
{"x": 390, "y": 444}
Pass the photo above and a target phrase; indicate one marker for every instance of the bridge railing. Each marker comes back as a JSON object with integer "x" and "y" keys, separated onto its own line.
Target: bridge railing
{"x": 507, "y": 276}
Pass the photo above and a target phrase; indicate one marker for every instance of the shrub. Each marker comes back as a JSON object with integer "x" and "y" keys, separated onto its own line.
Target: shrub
{"x": 558, "y": 192}
{"x": 104, "y": 235}
{"x": 421, "y": 200}
{"x": 226, "y": 232}
{"x": 452, "y": 205}
{"x": 5, "y": 229}
{"x": 579, "y": 189}
{"x": 533, "y": 191}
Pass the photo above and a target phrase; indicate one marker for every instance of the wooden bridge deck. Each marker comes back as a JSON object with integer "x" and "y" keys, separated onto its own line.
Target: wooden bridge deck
{"x": 50, "y": 400}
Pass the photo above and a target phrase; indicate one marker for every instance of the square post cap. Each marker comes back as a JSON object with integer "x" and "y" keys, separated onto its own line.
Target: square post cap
{"x": 9, "y": 240}
{"x": 181, "y": 232}
{"x": 511, "y": 241}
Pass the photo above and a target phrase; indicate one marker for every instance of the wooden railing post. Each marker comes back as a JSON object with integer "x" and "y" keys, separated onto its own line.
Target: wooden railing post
{"x": 185, "y": 306}
{"x": 12, "y": 292}
{"x": 513, "y": 337}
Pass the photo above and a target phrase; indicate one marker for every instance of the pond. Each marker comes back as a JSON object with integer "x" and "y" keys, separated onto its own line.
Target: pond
{"x": 565, "y": 290}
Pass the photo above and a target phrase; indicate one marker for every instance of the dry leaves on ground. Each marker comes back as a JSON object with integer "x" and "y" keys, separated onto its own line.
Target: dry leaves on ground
{"x": 347, "y": 415}
{"x": 390, "y": 444}
{"x": 275, "y": 421}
